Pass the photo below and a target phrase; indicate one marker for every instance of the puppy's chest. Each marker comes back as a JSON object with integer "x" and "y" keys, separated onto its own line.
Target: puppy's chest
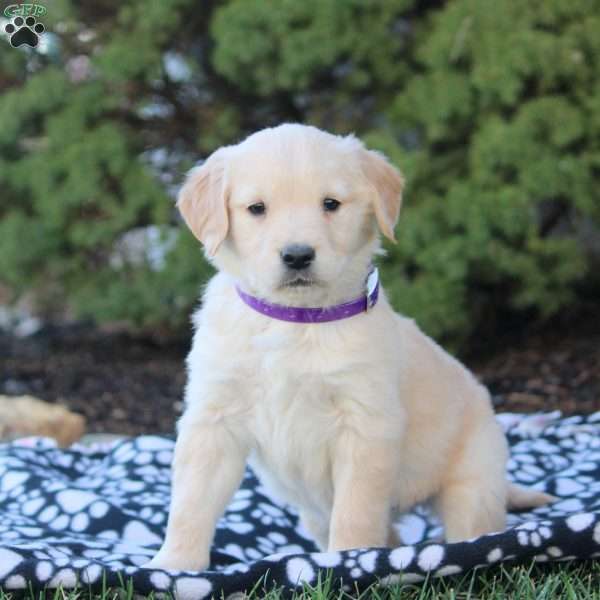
{"x": 294, "y": 407}
{"x": 293, "y": 427}
{"x": 298, "y": 410}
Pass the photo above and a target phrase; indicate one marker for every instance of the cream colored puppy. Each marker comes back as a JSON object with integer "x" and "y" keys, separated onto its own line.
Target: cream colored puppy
{"x": 349, "y": 420}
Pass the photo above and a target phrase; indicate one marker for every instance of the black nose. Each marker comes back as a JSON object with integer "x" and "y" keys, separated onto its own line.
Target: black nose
{"x": 297, "y": 256}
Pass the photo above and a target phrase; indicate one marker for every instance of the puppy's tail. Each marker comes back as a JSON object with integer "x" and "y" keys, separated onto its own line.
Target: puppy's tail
{"x": 520, "y": 497}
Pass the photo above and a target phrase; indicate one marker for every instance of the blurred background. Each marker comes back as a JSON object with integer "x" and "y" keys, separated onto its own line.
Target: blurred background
{"x": 491, "y": 109}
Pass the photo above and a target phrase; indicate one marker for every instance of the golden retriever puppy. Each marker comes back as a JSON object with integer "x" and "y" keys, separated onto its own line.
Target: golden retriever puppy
{"x": 345, "y": 408}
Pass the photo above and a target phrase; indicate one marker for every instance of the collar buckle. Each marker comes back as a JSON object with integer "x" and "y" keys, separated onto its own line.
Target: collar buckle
{"x": 371, "y": 288}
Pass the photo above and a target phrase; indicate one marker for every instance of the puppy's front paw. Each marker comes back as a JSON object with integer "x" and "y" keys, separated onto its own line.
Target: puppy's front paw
{"x": 173, "y": 561}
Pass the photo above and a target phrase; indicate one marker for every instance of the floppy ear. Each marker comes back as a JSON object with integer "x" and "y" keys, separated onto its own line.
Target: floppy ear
{"x": 202, "y": 201}
{"x": 388, "y": 184}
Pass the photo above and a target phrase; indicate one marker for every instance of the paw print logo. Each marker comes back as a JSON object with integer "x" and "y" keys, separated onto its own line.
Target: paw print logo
{"x": 533, "y": 533}
{"x": 24, "y": 31}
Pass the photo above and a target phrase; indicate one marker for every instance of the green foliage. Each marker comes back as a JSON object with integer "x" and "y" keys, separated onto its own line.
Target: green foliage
{"x": 73, "y": 176}
{"x": 492, "y": 110}
{"x": 506, "y": 162}
{"x": 287, "y": 46}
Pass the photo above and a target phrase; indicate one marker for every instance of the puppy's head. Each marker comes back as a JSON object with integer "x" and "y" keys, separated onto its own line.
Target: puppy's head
{"x": 292, "y": 212}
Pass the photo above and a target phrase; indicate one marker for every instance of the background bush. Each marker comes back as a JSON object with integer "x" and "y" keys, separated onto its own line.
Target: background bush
{"x": 492, "y": 110}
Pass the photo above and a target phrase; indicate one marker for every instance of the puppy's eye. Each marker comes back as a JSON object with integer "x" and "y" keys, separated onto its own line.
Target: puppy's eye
{"x": 330, "y": 204}
{"x": 258, "y": 208}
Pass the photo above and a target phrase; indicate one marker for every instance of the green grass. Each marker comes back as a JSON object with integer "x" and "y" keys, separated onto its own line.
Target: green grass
{"x": 559, "y": 581}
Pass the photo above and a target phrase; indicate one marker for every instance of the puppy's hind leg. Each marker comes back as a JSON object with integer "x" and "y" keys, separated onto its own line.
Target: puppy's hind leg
{"x": 317, "y": 526}
{"x": 472, "y": 501}
{"x": 468, "y": 509}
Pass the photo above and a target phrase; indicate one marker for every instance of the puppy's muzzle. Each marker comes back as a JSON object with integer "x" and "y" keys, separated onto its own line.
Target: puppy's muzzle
{"x": 297, "y": 256}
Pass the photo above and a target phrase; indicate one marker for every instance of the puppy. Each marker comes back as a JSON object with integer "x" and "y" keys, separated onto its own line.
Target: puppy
{"x": 349, "y": 414}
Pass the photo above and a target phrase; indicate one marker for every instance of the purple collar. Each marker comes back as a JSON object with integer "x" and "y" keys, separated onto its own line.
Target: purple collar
{"x": 297, "y": 314}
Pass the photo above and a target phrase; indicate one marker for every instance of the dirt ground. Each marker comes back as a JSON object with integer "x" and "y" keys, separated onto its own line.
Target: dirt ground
{"x": 134, "y": 386}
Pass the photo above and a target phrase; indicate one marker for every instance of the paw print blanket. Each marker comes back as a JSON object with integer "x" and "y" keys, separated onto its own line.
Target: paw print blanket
{"x": 93, "y": 516}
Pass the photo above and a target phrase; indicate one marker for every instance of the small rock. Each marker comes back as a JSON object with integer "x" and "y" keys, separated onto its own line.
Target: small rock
{"x": 118, "y": 413}
{"x": 25, "y": 415}
{"x": 18, "y": 319}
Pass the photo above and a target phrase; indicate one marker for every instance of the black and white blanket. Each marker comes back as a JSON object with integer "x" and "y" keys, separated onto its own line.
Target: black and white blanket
{"x": 92, "y": 516}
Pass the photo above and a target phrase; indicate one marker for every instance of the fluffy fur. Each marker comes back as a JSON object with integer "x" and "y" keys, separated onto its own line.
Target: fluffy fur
{"x": 350, "y": 420}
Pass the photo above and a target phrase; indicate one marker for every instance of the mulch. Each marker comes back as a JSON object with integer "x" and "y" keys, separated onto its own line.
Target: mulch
{"x": 540, "y": 369}
{"x": 121, "y": 384}
{"x": 134, "y": 386}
